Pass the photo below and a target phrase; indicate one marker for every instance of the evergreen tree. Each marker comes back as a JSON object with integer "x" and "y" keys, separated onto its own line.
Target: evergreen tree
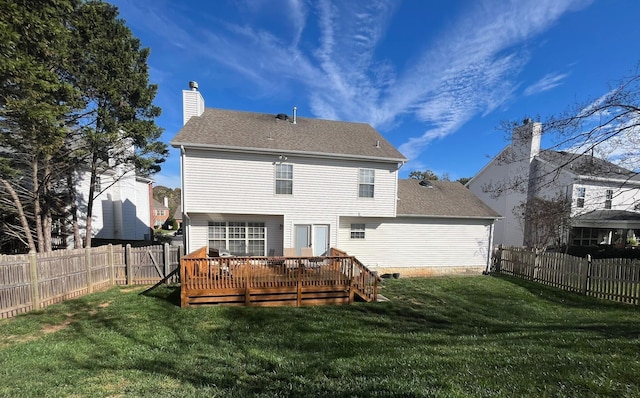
{"x": 118, "y": 130}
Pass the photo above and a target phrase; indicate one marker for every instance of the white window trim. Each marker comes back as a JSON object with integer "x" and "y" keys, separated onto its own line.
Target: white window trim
{"x": 358, "y": 231}
{"x": 247, "y": 227}
{"x": 276, "y": 178}
{"x": 361, "y": 183}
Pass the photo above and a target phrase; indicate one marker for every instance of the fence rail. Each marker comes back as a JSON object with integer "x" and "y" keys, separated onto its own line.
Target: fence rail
{"x": 616, "y": 279}
{"x": 34, "y": 281}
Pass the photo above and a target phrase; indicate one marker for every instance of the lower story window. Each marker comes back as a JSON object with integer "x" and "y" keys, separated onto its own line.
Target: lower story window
{"x": 357, "y": 231}
{"x": 239, "y": 238}
{"x": 584, "y": 236}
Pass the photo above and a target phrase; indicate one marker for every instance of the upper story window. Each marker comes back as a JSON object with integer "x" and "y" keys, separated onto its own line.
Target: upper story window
{"x": 284, "y": 179}
{"x": 581, "y": 195}
{"x": 97, "y": 186}
{"x": 609, "y": 197}
{"x": 366, "y": 183}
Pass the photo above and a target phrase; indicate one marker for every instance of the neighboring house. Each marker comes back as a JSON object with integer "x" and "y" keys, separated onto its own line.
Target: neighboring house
{"x": 177, "y": 215}
{"x": 160, "y": 212}
{"x": 121, "y": 207}
{"x": 603, "y": 199}
{"x": 255, "y": 184}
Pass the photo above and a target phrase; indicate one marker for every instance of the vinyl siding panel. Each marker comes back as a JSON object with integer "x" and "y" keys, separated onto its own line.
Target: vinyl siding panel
{"x": 419, "y": 242}
{"x": 218, "y": 182}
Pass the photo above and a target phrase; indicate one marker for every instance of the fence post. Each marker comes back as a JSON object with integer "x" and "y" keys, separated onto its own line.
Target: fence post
{"x": 180, "y": 255}
{"x": 166, "y": 258}
{"x": 586, "y": 271}
{"x": 87, "y": 263}
{"x": 497, "y": 259}
{"x": 112, "y": 266}
{"x": 536, "y": 265}
{"x": 128, "y": 265}
{"x": 35, "y": 290}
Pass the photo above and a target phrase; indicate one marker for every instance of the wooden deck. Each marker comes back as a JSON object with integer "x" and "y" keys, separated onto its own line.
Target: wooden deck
{"x": 275, "y": 281}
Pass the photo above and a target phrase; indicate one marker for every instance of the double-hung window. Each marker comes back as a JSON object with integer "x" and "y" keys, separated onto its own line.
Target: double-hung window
{"x": 284, "y": 179}
{"x": 357, "y": 231}
{"x": 609, "y": 197}
{"x": 581, "y": 195}
{"x": 239, "y": 238}
{"x": 366, "y": 183}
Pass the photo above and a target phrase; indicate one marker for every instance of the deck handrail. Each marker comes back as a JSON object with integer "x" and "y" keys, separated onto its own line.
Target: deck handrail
{"x": 200, "y": 273}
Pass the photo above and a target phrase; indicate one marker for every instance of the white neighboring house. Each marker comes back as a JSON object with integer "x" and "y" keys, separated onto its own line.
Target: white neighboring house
{"x": 121, "y": 207}
{"x": 604, "y": 198}
{"x": 255, "y": 184}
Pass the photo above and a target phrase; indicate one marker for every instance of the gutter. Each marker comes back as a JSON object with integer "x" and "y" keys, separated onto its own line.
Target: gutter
{"x": 288, "y": 152}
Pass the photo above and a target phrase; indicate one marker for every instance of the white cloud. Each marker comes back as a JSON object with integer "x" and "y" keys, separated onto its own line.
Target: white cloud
{"x": 547, "y": 82}
{"x": 468, "y": 69}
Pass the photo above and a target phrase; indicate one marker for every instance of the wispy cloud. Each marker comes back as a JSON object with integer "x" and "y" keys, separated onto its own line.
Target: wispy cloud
{"x": 549, "y": 81}
{"x": 469, "y": 69}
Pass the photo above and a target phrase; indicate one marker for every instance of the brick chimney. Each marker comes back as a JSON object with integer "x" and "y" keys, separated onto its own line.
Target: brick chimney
{"x": 192, "y": 102}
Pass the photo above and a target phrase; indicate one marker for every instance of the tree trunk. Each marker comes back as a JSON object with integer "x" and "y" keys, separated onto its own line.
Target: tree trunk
{"x": 46, "y": 205}
{"x": 73, "y": 209}
{"x": 92, "y": 183}
{"x": 21, "y": 215}
{"x": 37, "y": 211}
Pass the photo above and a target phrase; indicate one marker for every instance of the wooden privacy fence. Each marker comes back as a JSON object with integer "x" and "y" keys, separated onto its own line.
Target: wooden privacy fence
{"x": 34, "y": 281}
{"x": 616, "y": 279}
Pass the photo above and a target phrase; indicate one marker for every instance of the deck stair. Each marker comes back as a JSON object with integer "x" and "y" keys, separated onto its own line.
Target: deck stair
{"x": 275, "y": 281}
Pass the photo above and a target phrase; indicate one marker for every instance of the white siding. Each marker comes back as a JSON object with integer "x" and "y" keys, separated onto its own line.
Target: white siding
{"x": 245, "y": 184}
{"x": 121, "y": 211}
{"x": 419, "y": 242}
{"x": 486, "y": 186}
{"x": 323, "y": 190}
{"x": 624, "y": 197}
{"x": 192, "y": 104}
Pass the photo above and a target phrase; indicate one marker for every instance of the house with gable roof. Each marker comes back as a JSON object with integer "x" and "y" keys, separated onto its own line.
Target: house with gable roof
{"x": 603, "y": 199}
{"x": 255, "y": 184}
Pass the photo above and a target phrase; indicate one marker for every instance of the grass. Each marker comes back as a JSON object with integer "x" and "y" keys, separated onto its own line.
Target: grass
{"x": 447, "y": 337}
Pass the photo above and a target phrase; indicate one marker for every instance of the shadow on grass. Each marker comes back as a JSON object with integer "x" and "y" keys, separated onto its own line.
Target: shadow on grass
{"x": 320, "y": 351}
{"x": 168, "y": 293}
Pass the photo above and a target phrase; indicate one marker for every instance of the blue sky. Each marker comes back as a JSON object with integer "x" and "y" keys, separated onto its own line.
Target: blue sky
{"x": 436, "y": 78}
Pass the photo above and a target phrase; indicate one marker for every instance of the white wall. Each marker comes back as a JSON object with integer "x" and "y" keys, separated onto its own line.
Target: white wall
{"x": 323, "y": 189}
{"x": 411, "y": 242}
{"x": 488, "y": 185}
{"x": 121, "y": 211}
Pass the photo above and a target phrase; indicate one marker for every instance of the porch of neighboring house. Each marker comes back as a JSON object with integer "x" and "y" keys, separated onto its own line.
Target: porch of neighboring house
{"x": 275, "y": 281}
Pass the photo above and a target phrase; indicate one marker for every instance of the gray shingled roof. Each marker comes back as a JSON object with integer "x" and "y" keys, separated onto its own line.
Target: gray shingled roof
{"x": 444, "y": 199}
{"x": 610, "y": 215}
{"x": 586, "y": 165}
{"x": 225, "y": 129}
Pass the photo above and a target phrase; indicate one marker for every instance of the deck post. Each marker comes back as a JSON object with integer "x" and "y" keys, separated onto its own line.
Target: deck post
{"x": 183, "y": 284}
{"x": 247, "y": 282}
{"x": 299, "y": 296}
{"x": 351, "y": 289}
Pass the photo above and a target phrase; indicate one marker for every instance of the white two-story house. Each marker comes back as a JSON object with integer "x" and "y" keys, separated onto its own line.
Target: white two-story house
{"x": 603, "y": 199}
{"x": 254, "y": 184}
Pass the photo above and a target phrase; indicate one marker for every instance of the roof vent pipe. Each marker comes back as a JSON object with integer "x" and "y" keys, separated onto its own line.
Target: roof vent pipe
{"x": 295, "y": 114}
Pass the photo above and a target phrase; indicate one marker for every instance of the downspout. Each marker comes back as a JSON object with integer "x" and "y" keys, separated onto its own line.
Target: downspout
{"x": 185, "y": 217}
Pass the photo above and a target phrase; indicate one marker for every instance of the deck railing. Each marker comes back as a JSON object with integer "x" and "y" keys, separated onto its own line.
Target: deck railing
{"x": 274, "y": 280}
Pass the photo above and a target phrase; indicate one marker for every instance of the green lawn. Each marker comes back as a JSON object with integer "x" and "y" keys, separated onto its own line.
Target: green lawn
{"x": 447, "y": 337}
